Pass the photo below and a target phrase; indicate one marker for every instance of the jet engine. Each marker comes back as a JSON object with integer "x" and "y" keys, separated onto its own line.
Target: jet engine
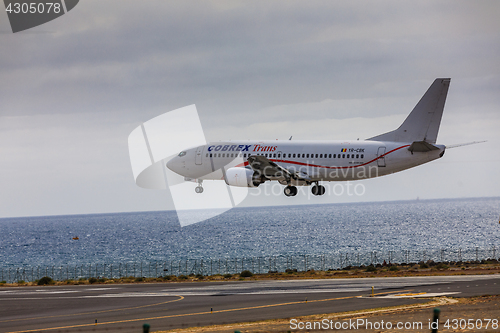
{"x": 242, "y": 177}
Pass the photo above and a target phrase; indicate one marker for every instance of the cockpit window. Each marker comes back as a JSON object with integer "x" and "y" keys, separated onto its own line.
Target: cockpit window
{"x": 182, "y": 153}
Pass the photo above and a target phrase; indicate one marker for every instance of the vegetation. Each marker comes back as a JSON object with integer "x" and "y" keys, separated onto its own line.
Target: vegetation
{"x": 371, "y": 268}
{"x": 45, "y": 280}
{"x": 246, "y": 273}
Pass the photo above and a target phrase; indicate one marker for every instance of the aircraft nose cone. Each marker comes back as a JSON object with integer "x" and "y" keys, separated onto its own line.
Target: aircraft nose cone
{"x": 174, "y": 165}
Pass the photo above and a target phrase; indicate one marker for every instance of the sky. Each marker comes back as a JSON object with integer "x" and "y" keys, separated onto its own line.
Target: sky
{"x": 73, "y": 89}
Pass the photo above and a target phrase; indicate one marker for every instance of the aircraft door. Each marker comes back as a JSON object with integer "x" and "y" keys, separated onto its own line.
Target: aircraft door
{"x": 199, "y": 155}
{"x": 381, "y": 158}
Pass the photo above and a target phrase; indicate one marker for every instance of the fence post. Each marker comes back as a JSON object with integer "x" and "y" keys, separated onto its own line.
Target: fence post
{"x": 477, "y": 258}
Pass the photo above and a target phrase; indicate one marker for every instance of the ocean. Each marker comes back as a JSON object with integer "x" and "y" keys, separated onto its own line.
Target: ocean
{"x": 315, "y": 230}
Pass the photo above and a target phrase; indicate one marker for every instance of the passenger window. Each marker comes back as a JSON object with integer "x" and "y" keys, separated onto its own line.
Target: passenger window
{"x": 348, "y": 155}
{"x": 316, "y": 155}
{"x": 357, "y": 155}
{"x": 329, "y": 155}
{"x": 343, "y": 155}
{"x": 334, "y": 155}
{"x": 274, "y": 155}
{"x": 279, "y": 155}
{"x": 320, "y": 155}
{"x": 362, "y": 156}
{"x": 245, "y": 155}
{"x": 307, "y": 155}
{"x": 289, "y": 155}
{"x": 293, "y": 155}
{"x": 219, "y": 154}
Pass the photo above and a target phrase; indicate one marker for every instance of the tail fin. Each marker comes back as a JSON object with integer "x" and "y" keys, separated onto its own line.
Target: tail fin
{"x": 423, "y": 122}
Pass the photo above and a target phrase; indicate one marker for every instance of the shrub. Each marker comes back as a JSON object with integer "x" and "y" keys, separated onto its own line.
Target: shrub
{"x": 228, "y": 276}
{"x": 371, "y": 268}
{"x": 423, "y": 265}
{"x": 394, "y": 268}
{"x": 139, "y": 279}
{"x": 92, "y": 280}
{"x": 200, "y": 276}
{"x": 21, "y": 282}
{"x": 45, "y": 280}
{"x": 246, "y": 273}
{"x": 182, "y": 277}
{"x": 442, "y": 265}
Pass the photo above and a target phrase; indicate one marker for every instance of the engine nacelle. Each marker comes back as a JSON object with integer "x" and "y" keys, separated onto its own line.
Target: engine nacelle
{"x": 242, "y": 177}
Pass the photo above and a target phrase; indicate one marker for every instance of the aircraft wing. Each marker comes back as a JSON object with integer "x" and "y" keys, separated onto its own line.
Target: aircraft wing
{"x": 273, "y": 170}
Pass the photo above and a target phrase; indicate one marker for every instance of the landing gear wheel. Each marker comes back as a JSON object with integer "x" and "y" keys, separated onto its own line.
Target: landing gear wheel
{"x": 314, "y": 190}
{"x": 318, "y": 190}
{"x": 198, "y": 189}
{"x": 290, "y": 191}
{"x": 321, "y": 189}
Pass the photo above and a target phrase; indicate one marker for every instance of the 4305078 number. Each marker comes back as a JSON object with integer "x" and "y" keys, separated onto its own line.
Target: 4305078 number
{"x": 471, "y": 324}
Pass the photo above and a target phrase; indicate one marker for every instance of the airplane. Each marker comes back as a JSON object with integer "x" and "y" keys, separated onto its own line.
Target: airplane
{"x": 304, "y": 163}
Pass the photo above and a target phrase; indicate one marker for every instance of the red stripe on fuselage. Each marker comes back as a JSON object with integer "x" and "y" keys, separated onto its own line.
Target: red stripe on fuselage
{"x": 328, "y": 167}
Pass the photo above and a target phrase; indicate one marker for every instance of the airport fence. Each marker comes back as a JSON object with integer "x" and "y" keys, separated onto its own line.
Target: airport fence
{"x": 256, "y": 265}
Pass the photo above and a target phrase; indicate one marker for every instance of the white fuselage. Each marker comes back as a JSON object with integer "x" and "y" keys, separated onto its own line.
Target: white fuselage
{"x": 319, "y": 160}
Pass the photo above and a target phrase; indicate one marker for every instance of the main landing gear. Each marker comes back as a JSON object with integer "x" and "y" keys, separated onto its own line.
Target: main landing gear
{"x": 199, "y": 188}
{"x": 290, "y": 191}
{"x": 318, "y": 189}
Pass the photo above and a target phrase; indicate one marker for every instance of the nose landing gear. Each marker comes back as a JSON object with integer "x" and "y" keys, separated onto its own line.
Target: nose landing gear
{"x": 199, "y": 188}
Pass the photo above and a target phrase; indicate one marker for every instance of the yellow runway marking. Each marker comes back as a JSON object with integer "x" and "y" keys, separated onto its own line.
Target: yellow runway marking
{"x": 86, "y": 313}
{"x": 195, "y": 314}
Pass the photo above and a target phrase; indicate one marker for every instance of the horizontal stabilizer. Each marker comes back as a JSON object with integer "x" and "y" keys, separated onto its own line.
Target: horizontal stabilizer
{"x": 421, "y": 147}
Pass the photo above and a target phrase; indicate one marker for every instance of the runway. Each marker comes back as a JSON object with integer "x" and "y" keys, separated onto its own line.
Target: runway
{"x": 126, "y": 308}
